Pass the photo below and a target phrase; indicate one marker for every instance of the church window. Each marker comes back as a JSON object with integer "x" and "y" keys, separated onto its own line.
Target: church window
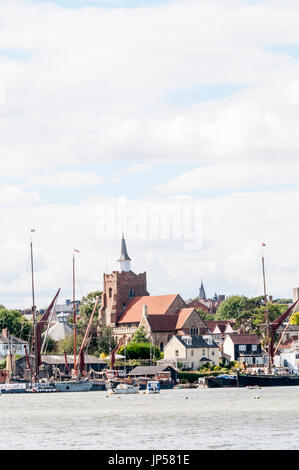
{"x": 110, "y": 292}
{"x": 161, "y": 346}
{"x": 169, "y": 338}
{"x": 194, "y": 330}
{"x": 131, "y": 293}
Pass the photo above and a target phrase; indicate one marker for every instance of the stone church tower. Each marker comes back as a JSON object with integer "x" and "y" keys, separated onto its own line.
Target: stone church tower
{"x": 118, "y": 289}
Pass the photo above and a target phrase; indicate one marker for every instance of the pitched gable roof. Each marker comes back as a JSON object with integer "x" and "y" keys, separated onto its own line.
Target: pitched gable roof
{"x": 183, "y": 316}
{"x": 156, "y": 305}
{"x": 196, "y": 341}
{"x": 245, "y": 339}
{"x": 221, "y": 324}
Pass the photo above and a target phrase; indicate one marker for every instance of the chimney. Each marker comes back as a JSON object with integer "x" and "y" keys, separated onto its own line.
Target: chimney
{"x": 144, "y": 310}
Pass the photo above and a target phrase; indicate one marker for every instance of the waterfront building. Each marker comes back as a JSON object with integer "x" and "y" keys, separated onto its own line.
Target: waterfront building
{"x": 288, "y": 355}
{"x": 54, "y": 364}
{"x": 191, "y": 351}
{"x": 11, "y": 344}
{"x": 220, "y": 329}
{"x": 159, "y": 371}
{"x": 61, "y": 329}
{"x": 244, "y": 348}
{"x": 127, "y": 305}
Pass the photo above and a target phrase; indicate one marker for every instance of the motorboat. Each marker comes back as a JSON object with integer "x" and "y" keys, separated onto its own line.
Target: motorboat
{"x": 124, "y": 388}
{"x": 153, "y": 386}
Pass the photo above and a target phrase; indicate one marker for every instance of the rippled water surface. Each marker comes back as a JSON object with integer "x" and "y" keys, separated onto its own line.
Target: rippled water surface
{"x": 175, "y": 419}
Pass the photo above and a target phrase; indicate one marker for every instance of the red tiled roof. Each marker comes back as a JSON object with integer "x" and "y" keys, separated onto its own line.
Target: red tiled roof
{"x": 170, "y": 322}
{"x": 245, "y": 339}
{"x": 163, "y": 322}
{"x": 156, "y": 305}
{"x": 183, "y": 315}
{"x": 288, "y": 343}
{"x": 198, "y": 304}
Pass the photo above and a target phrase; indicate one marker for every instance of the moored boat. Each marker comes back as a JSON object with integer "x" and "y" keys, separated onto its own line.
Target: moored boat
{"x": 124, "y": 388}
{"x": 74, "y": 386}
{"x": 153, "y": 386}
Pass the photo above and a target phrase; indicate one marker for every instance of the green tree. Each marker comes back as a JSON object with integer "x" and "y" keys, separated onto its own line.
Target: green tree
{"x": 204, "y": 315}
{"x": 140, "y": 335}
{"x": 105, "y": 341}
{"x": 14, "y": 321}
{"x": 87, "y": 305}
{"x": 237, "y": 305}
{"x": 67, "y": 344}
{"x": 140, "y": 351}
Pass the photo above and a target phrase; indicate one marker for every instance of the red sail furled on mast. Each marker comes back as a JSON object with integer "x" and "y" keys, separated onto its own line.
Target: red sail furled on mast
{"x": 113, "y": 353}
{"x": 85, "y": 339}
{"x": 276, "y": 324}
{"x": 41, "y": 325}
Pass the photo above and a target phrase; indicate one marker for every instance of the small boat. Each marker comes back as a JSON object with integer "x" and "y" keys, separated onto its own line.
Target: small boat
{"x": 153, "y": 386}
{"x": 124, "y": 388}
{"x": 74, "y": 386}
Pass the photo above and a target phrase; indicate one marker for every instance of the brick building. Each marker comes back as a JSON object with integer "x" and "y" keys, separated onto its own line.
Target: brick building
{"x": 127, "y": 305}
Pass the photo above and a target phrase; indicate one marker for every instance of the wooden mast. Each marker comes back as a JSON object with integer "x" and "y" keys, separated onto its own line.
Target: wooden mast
{"x": 266, "y": 310}
{"x": 74, "y": 313}
{"x": 36, "y": 367}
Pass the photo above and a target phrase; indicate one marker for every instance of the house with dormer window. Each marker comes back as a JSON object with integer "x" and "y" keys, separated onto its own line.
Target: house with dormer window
{"x": 244, "y": 348}
{"x": 191, "y": 351}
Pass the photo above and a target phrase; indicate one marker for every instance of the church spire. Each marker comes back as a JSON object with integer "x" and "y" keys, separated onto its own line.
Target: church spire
{"x": 124, "y": 260}
{"x": 202, "y": 293}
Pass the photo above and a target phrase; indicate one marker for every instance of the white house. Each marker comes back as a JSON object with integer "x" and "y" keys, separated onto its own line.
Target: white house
{"x": 191, "y": 351}
{"x": 289, "y": 355}
{"x": 244, "y": 348}
{"x": 11, "y": 344}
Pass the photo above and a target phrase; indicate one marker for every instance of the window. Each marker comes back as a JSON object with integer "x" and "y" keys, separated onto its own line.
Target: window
{"x": 110, "y": 292}
{"x": 131, "y": 293}
{"x": 177, "y": 353}
{"x": 161, "y": 346}
{"x": 203, "y": 352}
{"x": 242, "y": 347}
{"x": 169, "y": 338}
{"x": 194, "y": 330}
{"x": 254, "y": 347}
{"x": 192, "y": 352}
{"x": 213, "y": 352}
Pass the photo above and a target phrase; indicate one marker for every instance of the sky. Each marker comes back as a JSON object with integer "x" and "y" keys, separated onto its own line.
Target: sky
{"x": 175, "y": 122}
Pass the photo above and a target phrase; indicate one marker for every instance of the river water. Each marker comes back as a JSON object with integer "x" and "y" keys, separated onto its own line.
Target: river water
{"x": 174, "y": 420}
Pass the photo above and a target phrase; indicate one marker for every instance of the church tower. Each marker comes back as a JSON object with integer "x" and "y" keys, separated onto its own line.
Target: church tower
{"x": 124, "y": 260}
{"x": 119, "y": 288}
{"x": 202, "y": 293}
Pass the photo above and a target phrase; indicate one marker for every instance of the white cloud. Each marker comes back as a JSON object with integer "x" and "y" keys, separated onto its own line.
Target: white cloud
{"x": 91, "y": 88}
{"x": 228, "y": 259}
{"x": 13, "y": 196}
{"x": 67, "y": 178}
{"x": 94, "y": 90}
{"x": 233, "y": 177}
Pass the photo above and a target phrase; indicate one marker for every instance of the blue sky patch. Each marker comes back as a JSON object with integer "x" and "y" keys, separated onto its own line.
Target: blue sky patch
{"x": 202, "y": 92}
{"x": 72, "y": 4}
{"x": 292, "y": 50}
